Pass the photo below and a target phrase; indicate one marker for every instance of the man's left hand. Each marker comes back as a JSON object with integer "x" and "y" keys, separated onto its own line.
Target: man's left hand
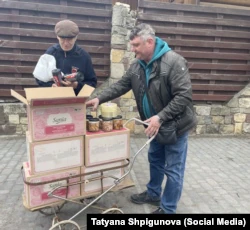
{"x": 153, "y": 126}
{"x": 70, "y": 84}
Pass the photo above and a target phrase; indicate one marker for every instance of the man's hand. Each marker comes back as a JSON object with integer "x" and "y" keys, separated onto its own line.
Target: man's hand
{"x": 94, "y": 102}
{"x": 153, "y": 126}
{"x": 70, "y": 84}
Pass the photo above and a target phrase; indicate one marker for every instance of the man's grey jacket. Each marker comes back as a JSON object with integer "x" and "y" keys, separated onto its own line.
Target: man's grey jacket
{"x": 169, "y": 90}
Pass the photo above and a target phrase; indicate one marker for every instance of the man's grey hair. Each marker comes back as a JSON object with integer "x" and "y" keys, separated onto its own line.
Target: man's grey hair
{"x": 143, "y": 30}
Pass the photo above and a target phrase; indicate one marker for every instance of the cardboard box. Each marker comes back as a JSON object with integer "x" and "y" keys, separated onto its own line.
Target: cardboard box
{"x": 54, "y": 155}
{"x": 37, "y": 195}
{"x": 95, "y": 186}
{"x": 106, "y": 147}
{"x": 55, "y": 112}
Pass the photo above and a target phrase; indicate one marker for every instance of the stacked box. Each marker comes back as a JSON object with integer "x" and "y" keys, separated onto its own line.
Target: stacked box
{"x": 55, "y": 112}
{"x": 58, "y": 147}
{"x": 37, "y": 195}
{"x": 61, "y": 121}
{"x": 105, "y": 147}
{"x": 55, "y": 147}
{"x": 51, "y": 156}
{"x": 57, "y": 123}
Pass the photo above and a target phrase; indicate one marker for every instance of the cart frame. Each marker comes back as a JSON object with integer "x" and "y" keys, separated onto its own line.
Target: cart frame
{"x": 56, "y": 223}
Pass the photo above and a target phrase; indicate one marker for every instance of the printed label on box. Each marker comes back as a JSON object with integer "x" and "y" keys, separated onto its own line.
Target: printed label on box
{"x": 105, "y": 148}
{"x": 59, "y": 129}
{"x": 53, "y": 185}
{"x": 57, "y": 155}
{"x": 37, "y": 195}
{"x": 57, "y": 122}
{"x": 61, "y": 191}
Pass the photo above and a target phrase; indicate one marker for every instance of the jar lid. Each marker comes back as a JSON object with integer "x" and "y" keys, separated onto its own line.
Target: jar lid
{"x": 93, "y": 119}
{"x": 89, "y": 116}
{"x": 100, "y": 117}
{"x": 107, "y": 118}
{"x": 118, "y": 117}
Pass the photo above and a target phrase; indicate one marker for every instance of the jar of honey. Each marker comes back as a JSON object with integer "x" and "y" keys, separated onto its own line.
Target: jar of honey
{"x": 94, "y": 124}
{"x": 107, "y": 124}
{"x": 117, "y": 122}
{"x": 87, "y": 121}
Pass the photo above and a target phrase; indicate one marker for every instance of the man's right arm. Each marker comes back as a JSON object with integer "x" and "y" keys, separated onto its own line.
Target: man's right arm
{"x": 115, "y": 90}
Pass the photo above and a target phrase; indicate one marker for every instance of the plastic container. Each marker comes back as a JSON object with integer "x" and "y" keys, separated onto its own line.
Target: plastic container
{"x": 117, "y": 122}
{"x": 109, "y": 110}
{"x": 107, "y": 124}
{"x": 94, "y": 124}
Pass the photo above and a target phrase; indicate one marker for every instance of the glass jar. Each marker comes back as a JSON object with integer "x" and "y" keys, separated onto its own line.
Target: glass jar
{"x": 100, "y": 119}
{"x": 94, "y": 124}
{"x": 117, "y": 122}
{"x": 87, "y": 121}
{"x": 107, "y": 124}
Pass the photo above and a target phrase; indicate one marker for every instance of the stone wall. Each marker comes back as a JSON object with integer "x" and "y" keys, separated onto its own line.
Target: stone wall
{"x": 13, "y": 119}
{"x": 232, "y": 118}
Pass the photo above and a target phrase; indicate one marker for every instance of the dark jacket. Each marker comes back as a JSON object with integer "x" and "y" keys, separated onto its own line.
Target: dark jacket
{"x": 77, "y": 57}
{"x": 169, "y": 89}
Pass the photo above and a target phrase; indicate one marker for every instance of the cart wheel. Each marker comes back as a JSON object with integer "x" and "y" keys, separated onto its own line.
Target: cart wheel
{"x": 51, "y": 210}
{"x": 65, "y": 225}
{"x": 113, "y": 211}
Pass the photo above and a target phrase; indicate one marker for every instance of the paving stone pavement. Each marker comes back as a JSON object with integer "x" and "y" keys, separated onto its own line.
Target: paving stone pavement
{"x": 216, "y": 181}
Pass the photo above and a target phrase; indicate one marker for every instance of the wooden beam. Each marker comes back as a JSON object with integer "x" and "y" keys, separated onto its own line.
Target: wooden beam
{"x": 206, "y": 97}
{"x": 217, "y": 87}
{"x": 52, "y": 21}
{"x": 225, "y": 6}
{"x": 50, "y": 34}
{"x": 220, "y": 77}
{"x": 37, "y": 7}
{"x": 207, "y": 44}
{"x": 194, "y": 2}
{"x": 213, "y": 55}
{"x": 18, "y": 81}
{"x": 29, "y": 70}
{"x": 230, "y": 2}
{"x": 193, "y": 20}
{"x": 178, "y": 1}
{"x": 217, "y": 66}
{"x": 149, "y": 5}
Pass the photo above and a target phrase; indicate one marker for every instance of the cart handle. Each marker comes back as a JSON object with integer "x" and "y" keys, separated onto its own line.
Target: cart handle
{"x": 117, "y": 181}
{"x": 140, "y": 121}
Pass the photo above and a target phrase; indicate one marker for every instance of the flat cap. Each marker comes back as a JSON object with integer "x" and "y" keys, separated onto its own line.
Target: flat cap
{"x": 66, "y": 29}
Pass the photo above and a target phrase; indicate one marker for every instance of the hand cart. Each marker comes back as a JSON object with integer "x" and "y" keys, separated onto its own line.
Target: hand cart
{"x": 56, "y": 224}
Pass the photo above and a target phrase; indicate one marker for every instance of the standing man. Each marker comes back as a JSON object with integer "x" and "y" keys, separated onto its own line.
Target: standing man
{"x": 161, "y": 84}
{"x": 71, "y": 58}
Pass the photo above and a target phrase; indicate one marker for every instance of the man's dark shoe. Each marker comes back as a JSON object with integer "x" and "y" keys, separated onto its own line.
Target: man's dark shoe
{"x": 158, "y": 211}
{"x": 144, "y": 198}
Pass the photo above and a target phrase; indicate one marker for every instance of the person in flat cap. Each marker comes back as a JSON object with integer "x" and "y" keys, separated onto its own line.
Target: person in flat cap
{"x": 70, "y": 58}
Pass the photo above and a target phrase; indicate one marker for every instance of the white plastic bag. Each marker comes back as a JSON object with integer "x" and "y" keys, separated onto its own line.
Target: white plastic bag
{"x": 44, "y": 67}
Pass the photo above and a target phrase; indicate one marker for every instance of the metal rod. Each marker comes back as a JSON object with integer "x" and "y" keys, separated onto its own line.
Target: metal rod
{"x": 117, "y": 181}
